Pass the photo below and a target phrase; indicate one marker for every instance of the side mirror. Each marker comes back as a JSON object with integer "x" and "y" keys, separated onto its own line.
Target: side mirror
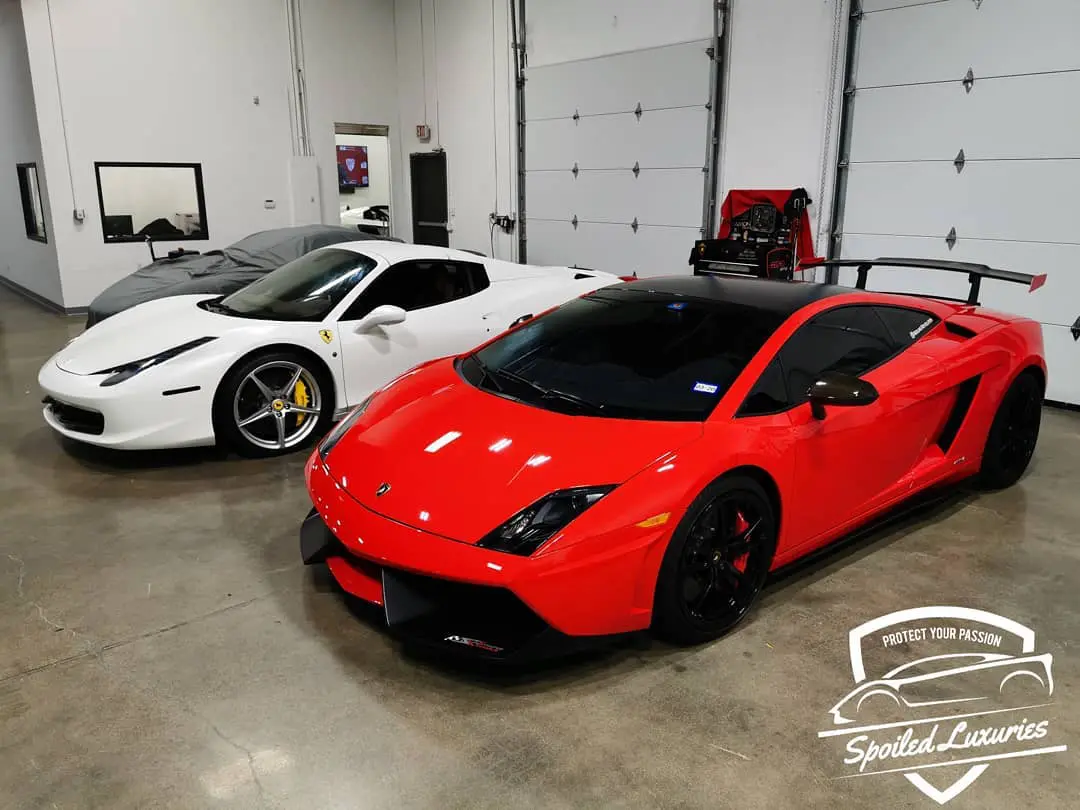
{"x": 385, "y": 315}
{"x": 841, "y": 390}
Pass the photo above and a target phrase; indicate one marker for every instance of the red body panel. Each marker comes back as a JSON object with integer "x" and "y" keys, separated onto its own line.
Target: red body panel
{"x": 460, "y": 461}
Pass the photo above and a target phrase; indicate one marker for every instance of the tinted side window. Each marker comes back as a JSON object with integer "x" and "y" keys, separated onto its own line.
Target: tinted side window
{"x": 477, "y": 276}
{"x": 849, "y": 340}
{"x": 769, "y": 394}
{"x": 905, "y": 325}
{"x": 414, "y": 285}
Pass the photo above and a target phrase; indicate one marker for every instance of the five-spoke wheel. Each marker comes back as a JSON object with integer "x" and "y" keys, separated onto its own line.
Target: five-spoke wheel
{"x": 273, "y": 404}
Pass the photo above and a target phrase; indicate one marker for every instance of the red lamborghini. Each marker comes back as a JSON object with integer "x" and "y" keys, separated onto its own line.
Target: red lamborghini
{"x": 644, "y": 455}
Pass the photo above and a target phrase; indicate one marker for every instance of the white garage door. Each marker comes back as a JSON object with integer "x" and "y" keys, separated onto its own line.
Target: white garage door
{"x": 615, "y": 150}
{"x": 1014, "y": 202}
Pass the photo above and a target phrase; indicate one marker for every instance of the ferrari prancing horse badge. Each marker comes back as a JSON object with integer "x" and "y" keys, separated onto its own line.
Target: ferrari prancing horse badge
{"x": 326, "y": 335}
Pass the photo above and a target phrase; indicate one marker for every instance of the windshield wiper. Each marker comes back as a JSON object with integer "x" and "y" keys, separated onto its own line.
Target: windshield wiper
{"x": 548, "y": 393}
{"x": 486, "y": 374}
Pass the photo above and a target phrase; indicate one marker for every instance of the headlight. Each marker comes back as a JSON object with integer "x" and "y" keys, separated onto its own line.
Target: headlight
{"x": 534, "y": 525}
{"x": 341, "y": 428}
{"x": 128, "y": 370}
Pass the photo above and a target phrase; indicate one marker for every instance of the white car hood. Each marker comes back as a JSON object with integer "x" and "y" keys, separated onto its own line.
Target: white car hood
{"x": 139, "y": 332}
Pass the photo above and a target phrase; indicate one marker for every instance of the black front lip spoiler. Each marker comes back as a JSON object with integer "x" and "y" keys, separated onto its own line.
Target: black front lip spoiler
{"x": 316, "y": 541}
{"x": 454, "y": 618}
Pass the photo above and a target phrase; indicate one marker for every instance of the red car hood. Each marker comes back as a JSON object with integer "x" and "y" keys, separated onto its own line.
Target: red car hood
{"x": 460, "y": 461}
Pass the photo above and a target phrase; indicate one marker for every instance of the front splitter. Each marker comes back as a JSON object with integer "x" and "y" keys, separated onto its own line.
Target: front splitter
{"x": 477, "y": 621}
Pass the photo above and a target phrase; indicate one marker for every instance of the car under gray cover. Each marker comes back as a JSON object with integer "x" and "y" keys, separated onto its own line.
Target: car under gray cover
{"x": 217, "y": 271}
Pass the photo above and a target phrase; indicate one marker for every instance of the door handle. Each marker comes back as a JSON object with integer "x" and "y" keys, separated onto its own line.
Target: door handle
{"x": 432, "y": 224}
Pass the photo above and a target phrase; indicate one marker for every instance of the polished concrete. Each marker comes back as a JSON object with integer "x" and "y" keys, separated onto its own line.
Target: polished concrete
{"x": 162, "y": 647}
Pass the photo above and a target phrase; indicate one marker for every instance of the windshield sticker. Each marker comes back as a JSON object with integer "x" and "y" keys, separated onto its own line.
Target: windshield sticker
{"x": 326, "y": 335}
{"x": 706, "y": 388}
{"x": 677, "y": 305}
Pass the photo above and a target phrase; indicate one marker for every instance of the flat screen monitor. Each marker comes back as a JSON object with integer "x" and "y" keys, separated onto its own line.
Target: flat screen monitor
{"x": 352, "y": 166}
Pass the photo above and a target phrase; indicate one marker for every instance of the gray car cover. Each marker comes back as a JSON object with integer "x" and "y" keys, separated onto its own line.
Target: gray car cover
{"x": 218, "y": 271}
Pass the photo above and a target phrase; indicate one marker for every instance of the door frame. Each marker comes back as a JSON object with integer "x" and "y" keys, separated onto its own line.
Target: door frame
{"x": 376, "y": 131}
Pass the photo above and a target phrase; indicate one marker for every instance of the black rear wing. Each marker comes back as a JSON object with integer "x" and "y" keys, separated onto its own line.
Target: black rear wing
{"x": 975, "y": 272}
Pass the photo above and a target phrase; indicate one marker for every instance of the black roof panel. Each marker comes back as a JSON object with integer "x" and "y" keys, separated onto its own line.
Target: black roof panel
{"x": 781, "y": 297}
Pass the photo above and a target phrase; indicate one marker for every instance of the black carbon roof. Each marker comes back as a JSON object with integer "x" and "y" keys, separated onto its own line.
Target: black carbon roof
{"x": 781, "y": 297}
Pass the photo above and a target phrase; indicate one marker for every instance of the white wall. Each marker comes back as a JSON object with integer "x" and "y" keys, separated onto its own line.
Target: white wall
{"x": 454, "y": 73}
{"x": 378, "y": 188}
{"x": 350, "y": 62}
{"x": 23, "y": 261}
{"x": 780, "y": 55}
{"x": 130, "y": 94}
{"x": 153, "y": 81}
{"x": 159, "y": 81}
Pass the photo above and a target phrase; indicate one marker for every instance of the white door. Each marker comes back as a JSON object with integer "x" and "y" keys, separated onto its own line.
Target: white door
{"x": 1012, "y": 199}
{"x": 616, "y": 147}
{"x": 443, "y": 301}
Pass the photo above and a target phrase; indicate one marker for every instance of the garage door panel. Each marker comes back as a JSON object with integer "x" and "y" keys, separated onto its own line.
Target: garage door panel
{"x": 933, "y": 122}
{"x": 652, "y": 251}
{"x": 654, "y": 197}
{"x": 551, "y": 144}
{"x": 1015, "y": 200}
{"x": 870, "y": 6}
{"x": 659, "y": 139}
{"x": 1062, "y": 361}
{"x": 940, "y": 41}
{"x": 1058, "y": 302}
{"x": 670, "y": 76}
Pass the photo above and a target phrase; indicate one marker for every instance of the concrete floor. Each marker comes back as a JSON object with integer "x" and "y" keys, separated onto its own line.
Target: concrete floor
{"x": 161, "y": 646}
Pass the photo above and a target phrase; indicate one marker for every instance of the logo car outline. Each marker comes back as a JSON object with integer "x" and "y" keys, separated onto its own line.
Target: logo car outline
{"x": 891, "y": 686}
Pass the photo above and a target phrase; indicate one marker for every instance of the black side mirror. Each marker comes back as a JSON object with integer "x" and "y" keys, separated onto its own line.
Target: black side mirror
{"x": 845, "y": 390}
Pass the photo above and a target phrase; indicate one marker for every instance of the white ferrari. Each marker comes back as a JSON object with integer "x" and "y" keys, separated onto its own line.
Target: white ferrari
{"x": 267, "y": 369}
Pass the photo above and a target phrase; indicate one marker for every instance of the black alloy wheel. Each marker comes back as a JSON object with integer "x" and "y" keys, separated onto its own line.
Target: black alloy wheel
{"x": 1013, "y": 433}
{"x": 716, "y": 563}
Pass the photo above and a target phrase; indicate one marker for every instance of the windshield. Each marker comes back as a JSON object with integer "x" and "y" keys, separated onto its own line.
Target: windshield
{"x": 305, "y": 289}
{"x": 625, "y": 354}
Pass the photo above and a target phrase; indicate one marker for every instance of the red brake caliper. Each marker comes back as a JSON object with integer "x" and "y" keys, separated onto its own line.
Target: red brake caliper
{"x": 741, "y": 525}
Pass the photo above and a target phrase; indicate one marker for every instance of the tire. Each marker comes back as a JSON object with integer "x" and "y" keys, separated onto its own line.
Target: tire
{"x": 1013, "y": 433}
{"x": 716, "y": 563}
{"x": 256, "y": 417}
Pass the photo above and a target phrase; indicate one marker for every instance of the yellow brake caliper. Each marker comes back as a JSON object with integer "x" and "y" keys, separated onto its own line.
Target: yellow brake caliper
{"x": 301, "y": 398}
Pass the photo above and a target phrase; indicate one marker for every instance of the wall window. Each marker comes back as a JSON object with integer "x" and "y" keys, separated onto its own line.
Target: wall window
{"x": 33, "y": 210}
{"x": 161, "y": 200}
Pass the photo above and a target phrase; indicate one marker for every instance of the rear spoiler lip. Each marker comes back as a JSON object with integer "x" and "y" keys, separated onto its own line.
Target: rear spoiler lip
{"x": 975, "y": 272}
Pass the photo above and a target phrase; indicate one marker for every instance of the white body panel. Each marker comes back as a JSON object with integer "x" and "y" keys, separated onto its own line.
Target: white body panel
{"x": 169, "y": 405}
